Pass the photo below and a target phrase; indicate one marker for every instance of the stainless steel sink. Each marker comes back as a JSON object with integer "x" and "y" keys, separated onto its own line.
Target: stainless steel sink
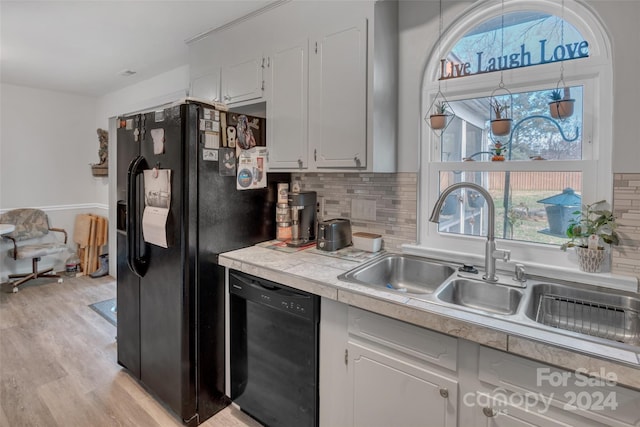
{"x": 403, "y": 273}
{"x": 612, "y": 315}
{"x": 487, "y": 297}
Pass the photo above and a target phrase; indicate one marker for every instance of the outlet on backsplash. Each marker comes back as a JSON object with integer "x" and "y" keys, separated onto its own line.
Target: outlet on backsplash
{"x": 320, "y": 208}
{"x": 363, "y": 209}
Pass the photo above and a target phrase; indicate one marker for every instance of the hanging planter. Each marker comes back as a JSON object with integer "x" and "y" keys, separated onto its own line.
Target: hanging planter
{"x": 442, "y": 114}
{"x": 561, "y": 105}
{"x": 499, "y": 112}
{"x": 501, "y": 127}
{"x": 438, "y": 120}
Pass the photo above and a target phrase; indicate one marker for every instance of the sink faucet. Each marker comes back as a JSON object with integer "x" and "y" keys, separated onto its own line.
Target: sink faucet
{"x": 491, "y": 253}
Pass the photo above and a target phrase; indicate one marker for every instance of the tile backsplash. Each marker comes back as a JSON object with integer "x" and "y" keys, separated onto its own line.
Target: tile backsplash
{"x": 395, "y": 217}
{"x": 392, "y": 197}
{"x": 626, "y": 208}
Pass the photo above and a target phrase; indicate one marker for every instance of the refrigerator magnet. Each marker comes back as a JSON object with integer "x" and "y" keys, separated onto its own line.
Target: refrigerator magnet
{"x": 211, "y": 140}
{"x": 227, "y": 158}
{"x": 158, "y": 140}
{"x": 209, "y": 155}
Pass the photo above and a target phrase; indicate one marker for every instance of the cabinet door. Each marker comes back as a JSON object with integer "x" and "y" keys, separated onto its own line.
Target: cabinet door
{"x": 338, "y": 98}
{"x": 388, "y": 391}
{"x": 206, "y": 86}
{"x": 242, "y": 81}
{"x": 287, "y": 110}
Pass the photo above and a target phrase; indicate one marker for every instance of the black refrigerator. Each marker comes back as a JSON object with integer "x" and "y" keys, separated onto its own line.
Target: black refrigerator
{"x": 170, "y": 329}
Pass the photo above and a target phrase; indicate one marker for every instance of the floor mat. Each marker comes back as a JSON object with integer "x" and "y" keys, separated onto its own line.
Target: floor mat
{"x": 106, "y": 309}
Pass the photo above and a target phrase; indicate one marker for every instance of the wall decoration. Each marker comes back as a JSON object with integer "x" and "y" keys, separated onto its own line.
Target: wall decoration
{"x": 102, "y": 168}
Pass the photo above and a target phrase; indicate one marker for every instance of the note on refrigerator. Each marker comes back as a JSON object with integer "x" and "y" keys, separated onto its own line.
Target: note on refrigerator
{"x": 154, "y": 226}
{"x": 157, "y": 201}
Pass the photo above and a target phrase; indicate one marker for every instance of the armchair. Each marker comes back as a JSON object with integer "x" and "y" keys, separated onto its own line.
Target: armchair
{"x": 31, "y": 224}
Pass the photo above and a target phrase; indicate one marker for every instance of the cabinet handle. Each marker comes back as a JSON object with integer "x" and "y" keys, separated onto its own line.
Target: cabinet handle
{"x": 346, "y": 356}
{"x": 227, "y": 97}
{"x": 489, "y": 412}
{"x": 300, "y": 163}
{"x": 444, "y": 393}
{"x": 316, "y": 47}
{"x": 315, "y": 154}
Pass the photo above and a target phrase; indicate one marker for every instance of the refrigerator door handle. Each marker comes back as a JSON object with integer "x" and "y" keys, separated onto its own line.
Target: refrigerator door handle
{"x": 137, "y": 264}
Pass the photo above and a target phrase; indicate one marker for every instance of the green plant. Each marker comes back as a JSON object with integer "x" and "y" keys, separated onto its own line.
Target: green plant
{"x": 440, "y": 107}
{"x": 556, "y": 95}
{"x": 595, "y": 219}
{"x": 498, "y": 108}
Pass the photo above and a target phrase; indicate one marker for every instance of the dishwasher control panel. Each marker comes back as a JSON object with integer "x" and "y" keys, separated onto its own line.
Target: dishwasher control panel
{"x": 274, "y": 295}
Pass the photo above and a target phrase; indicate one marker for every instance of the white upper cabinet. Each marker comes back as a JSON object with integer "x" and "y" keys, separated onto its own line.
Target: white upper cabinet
{"x": 338, "y": 98}
{"x": 327, "y": 73}
{"x": 288, "y": 106}
{"x": 207, "y": 86}
{"x": 243, "y": 80}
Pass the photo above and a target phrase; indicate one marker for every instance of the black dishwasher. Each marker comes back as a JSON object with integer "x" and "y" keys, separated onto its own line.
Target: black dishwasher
{"x": 274, "y": 351}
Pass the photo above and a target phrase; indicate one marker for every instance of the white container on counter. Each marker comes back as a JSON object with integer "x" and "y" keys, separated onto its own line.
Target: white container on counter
{"x": 367, "y": 241}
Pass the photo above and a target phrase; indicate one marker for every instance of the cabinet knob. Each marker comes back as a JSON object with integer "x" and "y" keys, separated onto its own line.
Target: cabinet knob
{"x": 357, "y": 160}
{"x": 300, "y": 163}
{"x": 444, "y": 393}
{"x": 227, "y": 97}
{"x": 489, "y": 412}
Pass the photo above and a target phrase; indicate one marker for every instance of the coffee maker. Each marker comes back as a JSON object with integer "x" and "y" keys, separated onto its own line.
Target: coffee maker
{"x": 303, "y": 218}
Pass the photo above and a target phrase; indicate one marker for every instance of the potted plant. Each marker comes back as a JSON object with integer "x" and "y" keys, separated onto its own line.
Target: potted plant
{"x": 595, "y": 228}
{"x": 500, "y": 124}
{"x": 561, "y": 105}
{"x": 438, "y": 120}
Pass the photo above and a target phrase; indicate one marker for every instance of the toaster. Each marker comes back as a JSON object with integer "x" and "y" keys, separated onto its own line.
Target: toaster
{"x": 333, "y": 234}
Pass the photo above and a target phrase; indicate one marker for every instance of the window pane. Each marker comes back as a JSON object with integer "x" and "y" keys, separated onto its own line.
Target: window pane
{"x": 534, "y": 132}
{"x": 532, "y": 212}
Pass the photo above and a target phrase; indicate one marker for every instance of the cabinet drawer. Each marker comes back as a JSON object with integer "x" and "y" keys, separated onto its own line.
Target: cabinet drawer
{"x": 432, "y": 347}
{"x": 570, "y": 392}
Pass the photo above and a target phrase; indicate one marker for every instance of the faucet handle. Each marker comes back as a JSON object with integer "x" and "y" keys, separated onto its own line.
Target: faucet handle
{"x": 503, "y": 254}
{"x": 519, "y": 274}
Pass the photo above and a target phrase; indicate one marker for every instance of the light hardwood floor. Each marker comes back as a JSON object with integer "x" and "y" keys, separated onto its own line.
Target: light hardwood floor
{"x": 58, "y": 363}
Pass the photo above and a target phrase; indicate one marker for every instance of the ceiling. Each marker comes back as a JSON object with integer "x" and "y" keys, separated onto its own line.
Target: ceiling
{"x": 82, "y": 46}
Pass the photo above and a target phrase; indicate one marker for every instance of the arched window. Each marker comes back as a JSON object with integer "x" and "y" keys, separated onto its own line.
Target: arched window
{"x": 520, "y": 54}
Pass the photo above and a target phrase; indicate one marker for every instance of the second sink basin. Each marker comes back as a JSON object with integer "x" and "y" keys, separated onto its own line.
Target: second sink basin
{"x": 486, "y": 297}
{"x": 404, "y": 273}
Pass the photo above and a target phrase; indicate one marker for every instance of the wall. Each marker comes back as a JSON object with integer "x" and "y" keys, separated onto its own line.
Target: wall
{"x": 161, "y": 89}
{"x": 393, "y": 193}
{"x": 47, "y": 141}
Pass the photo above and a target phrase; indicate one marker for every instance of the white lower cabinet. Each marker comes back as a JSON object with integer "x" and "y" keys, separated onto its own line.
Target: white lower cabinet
{"x": 378, "y": 371}
{"x": 399, "y": 374}
{"x": 395, "y": 391}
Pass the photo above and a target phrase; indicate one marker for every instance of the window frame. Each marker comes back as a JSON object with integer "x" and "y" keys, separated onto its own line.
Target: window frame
{"x": 593, "y": 73}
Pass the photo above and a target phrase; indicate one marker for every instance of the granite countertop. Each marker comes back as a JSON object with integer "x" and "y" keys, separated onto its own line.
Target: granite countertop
{"x": 313, "y": 271}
